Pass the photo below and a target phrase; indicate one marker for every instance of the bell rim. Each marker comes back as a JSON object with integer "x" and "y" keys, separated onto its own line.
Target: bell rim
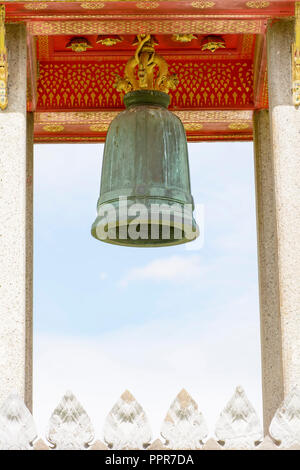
{"x": 139, "y": 242}
{"x": 157, "y": 245}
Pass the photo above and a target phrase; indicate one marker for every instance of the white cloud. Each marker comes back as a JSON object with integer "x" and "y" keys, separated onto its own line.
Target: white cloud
{"x": 208, "y": 353}
{"x": 173, "y": 269}
{"x": 154, "y": 361}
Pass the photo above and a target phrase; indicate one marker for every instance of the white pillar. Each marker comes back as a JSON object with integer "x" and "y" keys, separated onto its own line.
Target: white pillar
{"x": 267, "y": 247}
{"x": 285, "y": 142}
{"x": 16, "y": 182}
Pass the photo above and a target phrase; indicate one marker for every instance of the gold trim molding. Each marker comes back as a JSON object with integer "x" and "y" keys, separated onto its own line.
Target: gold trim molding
{"x": 147, "y": 5}
{"x": 203, "y": 4}
{"x": 152, "y": 26}
{"x": 257, "y": 4}
{"x": 53, "y": 128}
{"x": 94, "y": 118}
{"x": 3, "y": 62}
{"x": 36, "y": 6}
{"x": 190, "y": 138}
{"x": 296, "y": 57}
{"x": 238, "y": 126}
{"x": 93, "y": 5}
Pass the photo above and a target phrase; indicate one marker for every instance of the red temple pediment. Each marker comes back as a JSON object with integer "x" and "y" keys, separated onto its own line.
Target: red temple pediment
{"x": 76, "y": 48}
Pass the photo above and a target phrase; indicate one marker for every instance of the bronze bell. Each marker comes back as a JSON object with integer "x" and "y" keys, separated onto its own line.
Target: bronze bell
{"x": 145, "y": 196}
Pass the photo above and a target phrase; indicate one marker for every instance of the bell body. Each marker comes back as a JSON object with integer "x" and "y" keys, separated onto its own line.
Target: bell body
{"x": 145, "y": 168}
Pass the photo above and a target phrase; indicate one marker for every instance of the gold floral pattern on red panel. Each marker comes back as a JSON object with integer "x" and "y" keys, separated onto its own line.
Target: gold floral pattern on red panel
{"x": 202, "y": 84}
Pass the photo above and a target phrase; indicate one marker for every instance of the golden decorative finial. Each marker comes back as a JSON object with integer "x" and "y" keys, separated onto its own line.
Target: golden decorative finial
{"x": 296, "y": 57}
{"x": 146, "y": 60}
{"x": 3, "y": 62}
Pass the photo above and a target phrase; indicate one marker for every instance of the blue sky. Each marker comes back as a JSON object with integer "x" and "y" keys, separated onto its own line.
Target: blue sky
{"x": 107, "y": 318}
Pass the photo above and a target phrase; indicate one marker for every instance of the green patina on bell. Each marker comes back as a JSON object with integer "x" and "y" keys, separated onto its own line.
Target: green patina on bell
{"x": 145, "y": 197}
{"x": 145, "y": 162}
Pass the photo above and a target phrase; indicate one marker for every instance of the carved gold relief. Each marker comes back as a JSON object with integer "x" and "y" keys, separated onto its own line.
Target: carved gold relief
{"x": 109, "y": 40}
{"x": 78, "y": 44}
{"x": 145, "y": 61}
{"x": 257, "y": 4}
{"x": 296, "y": 58}
{"x": 183, "y": 37}
{"x": 3, "y": 62}
{"x": 53, "y": 128}
{"x": 212, "y": 43}
{"x": 202, "y": 4}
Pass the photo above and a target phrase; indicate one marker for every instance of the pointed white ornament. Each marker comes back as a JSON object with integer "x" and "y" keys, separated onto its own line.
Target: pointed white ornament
{"x": 70, "y": 427}
{"x": 285, "y": 426}
{"x": 238, "y": 426}
{"x": 17, "y": 428}
{"x": 212, "y": 444}
{"x": 184, "y": 426}
{"x": 157, "y": 445}
{"x": 40, "y": 445}
{"x": 126, "y": 426}
{"x": 267, "y": 444}
{"x": 98, "y": 445}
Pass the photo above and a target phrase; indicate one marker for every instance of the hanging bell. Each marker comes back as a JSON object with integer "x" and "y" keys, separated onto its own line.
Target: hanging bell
{"x": 145, "y": 196}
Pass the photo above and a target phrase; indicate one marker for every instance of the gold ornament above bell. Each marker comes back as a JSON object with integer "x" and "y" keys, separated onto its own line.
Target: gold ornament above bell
{"x": 140, "y": 69}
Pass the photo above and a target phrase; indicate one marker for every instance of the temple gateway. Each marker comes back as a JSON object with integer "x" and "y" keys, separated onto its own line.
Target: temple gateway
{"x": 231, "y": 72}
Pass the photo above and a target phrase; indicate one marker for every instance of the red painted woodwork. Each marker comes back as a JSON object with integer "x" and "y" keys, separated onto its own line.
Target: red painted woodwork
{"x": 73, "y": 93}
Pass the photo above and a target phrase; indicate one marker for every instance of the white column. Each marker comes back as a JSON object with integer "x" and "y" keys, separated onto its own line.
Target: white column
{"x": 285, "y": 141}
{"x": 16, "y": 180}
{"x": 267, "y": 247}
